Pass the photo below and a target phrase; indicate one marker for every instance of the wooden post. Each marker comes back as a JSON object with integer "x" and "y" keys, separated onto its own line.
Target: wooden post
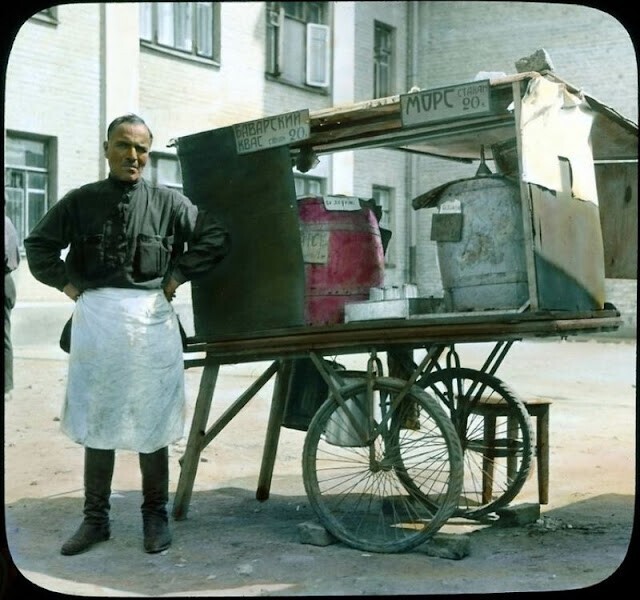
{"x": 191, "y": 457}
{"x": 525, "y": 195}
{"x": 542, "y": 453}
{"x": 280, "y": 392}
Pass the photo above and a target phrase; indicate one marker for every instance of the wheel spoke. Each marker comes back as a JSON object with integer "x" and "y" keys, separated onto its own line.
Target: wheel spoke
{"x": 495, "y": 434}
{"x": 359, "y": 493}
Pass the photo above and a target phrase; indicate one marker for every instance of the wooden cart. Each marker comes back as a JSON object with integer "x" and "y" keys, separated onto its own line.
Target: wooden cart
{"x": 393, "y": 453}
{"x": 396, "y": 502}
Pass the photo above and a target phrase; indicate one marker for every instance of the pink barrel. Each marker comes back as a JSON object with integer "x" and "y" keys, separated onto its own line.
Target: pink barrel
{"x": 343, "y": 258}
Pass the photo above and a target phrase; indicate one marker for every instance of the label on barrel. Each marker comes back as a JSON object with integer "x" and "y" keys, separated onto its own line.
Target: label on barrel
{"x": 446, "y": 224}
{"x": 450, "y": 206}
{"x": 315, "y": 245}
{"x": 342, "y": 203}
{"x": 442, "y": 104}
{"x": 271, "y": 132}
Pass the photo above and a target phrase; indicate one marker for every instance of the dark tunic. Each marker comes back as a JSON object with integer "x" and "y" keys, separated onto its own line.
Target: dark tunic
{"x": 124, "y": 235}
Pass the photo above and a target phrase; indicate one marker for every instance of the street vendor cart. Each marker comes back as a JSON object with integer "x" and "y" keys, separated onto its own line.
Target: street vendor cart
{"x": 396, "y": 449}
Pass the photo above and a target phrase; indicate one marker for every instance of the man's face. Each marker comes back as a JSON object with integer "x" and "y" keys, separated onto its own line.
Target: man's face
{"x": 127, "y": 151}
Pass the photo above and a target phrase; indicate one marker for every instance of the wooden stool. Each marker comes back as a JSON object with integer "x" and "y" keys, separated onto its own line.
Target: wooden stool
{"x": 538, "y": 408}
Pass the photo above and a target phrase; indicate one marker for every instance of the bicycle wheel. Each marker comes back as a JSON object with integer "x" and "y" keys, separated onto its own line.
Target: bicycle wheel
{"x": 495, "y": 433}
{"x": 352, "y": 483}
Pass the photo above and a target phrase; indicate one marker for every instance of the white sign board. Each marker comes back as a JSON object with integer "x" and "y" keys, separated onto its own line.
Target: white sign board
{"x": 345, "y": 203}
{"x": 443, "y": 104}
{"x": 315, "y": 245}
{"x": 271, "y": 132}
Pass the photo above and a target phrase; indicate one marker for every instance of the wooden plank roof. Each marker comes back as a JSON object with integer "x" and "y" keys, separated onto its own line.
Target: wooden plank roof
{"x": 378, "y": 123}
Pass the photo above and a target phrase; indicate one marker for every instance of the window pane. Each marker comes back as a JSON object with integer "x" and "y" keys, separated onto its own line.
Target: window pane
{"x": 382, "y": 60}
{"x": 14, "y": 178}
{"x": 308, "y": 186}
{"x": 294, "y": 9}
{"x": 168, "y": 172}
{"x": 14, "y": 210}
{"x": 27, "y": 153}
{"x": 316, "y": 12}
{"x": 317, "y": 55}
{"x": 382, "y": 198}
{"x": 315, "y": 187}
{"x": 292, "y": 63}
{"x": 165, "y": 23}
{"x": 37, "y": 181}
{"x": 37, "y": 198}
{"x": 146, "y": 24}
{"x": 204, "y": 43}
{"x": 183, "y": 26}
{"x": 25, "y": 179}
{"x": 36, "y": 207}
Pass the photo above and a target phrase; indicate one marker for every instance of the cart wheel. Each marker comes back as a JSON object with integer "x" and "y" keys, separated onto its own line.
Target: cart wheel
{"x": 352, "y": 483}
{"x": 494, "y": 473}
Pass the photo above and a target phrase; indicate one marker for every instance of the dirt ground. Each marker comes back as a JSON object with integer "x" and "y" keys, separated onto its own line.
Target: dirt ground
{"x": 233, "y": 545}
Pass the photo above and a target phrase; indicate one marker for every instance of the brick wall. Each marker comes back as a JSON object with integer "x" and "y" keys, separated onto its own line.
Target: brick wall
{"x": 54, "y": 81}
{"x": 623, "y": 294}
{"x": 588, "y": 48}
{"x": 53, "y": 89}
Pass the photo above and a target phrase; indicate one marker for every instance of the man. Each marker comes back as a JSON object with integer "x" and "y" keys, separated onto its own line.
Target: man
{"x": 126, "y": 258}
{"x": 11, "y": 261}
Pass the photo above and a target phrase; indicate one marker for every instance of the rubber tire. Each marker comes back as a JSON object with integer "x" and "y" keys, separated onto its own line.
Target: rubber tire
{"x": 437, "y": 384}
{"x": 377, "y": 496}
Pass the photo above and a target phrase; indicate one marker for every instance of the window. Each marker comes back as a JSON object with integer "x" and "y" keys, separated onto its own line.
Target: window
{"x": 165, "y": 170}
{"x": 383, "y": 197}
{"x": 309, "y": 186}
{"x": 186, "y": 27}
{"x": 382, "y": 60}
{"x": 298, "y": 45}
{"x": 26, "y": 178}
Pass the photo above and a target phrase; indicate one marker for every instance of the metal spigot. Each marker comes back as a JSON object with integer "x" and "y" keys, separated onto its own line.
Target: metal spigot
{"x": 483, "y": 170}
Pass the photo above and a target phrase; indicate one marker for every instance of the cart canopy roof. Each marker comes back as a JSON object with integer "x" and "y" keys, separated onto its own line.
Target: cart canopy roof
{"x": 379, "y": 123}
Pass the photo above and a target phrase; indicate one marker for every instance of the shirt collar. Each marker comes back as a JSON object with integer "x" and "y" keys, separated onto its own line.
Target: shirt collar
{"x": 125, "y": 186}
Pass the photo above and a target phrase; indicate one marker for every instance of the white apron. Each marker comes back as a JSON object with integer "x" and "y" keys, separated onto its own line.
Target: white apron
{"x": 125, "y": 388}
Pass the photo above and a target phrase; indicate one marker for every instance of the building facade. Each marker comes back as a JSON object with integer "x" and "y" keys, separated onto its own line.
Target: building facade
{"x": 193, "y": 66}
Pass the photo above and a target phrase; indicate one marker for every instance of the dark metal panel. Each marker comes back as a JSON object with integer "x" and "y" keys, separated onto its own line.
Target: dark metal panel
{"x": 260, "y": 284}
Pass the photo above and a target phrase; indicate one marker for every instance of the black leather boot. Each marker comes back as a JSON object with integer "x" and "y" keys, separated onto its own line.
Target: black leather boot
{"x": 155, "y": 491}
{"x": 98, "y": 472}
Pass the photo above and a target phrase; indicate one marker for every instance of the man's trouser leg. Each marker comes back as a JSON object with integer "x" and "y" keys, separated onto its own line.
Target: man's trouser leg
{"x": 9, "y": 303}
{"x": 98, "y": 472}
{"x": 155, "y": 490}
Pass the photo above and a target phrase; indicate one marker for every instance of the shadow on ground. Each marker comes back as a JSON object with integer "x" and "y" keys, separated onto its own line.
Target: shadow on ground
{"x": 231, "y": 544}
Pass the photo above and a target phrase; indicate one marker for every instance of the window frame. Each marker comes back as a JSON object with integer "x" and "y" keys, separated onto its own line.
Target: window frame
{"x": 380, "y": 90}
{"x": 376, "y": 192}
{"x": 48, "y": 144}
{"x": 151, "y": 23}
{"x": 306, "y": 181}
{"x": 315, "y": 74}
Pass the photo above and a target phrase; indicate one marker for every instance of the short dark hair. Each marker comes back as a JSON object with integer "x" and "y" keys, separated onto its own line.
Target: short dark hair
{"x": 128, "y": 118}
